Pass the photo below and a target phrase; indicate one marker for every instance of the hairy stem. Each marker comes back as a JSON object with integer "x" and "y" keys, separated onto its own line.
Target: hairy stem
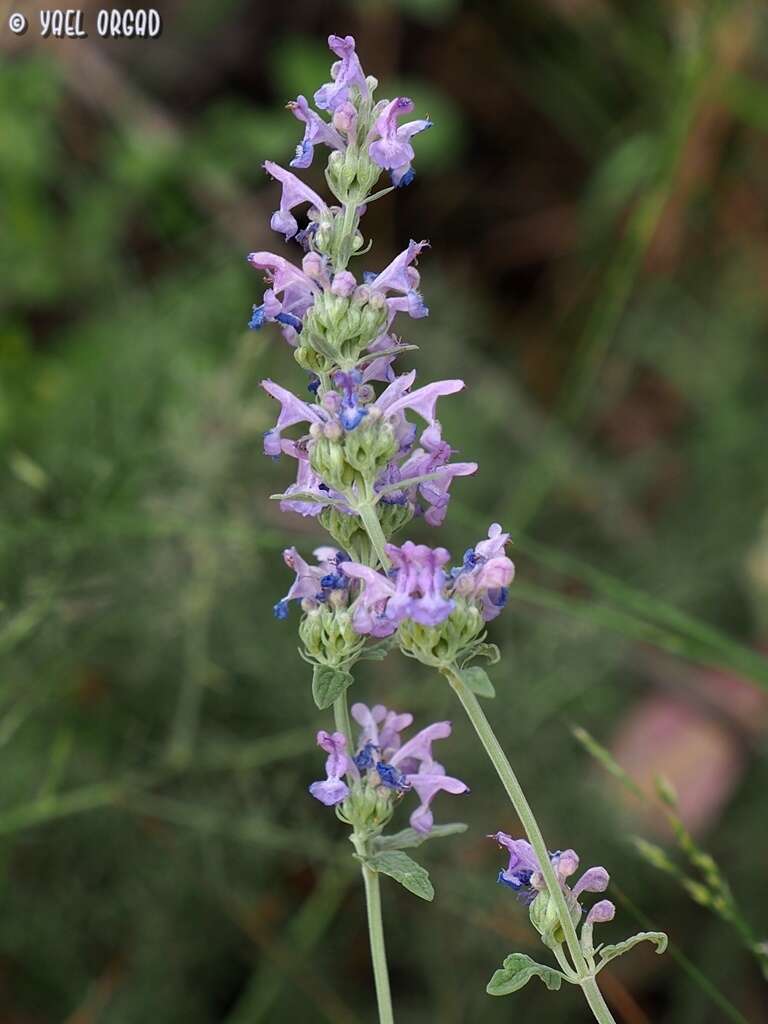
{"x": 367, "y": 513}
{"x": 509, "y": 780}
{"x": 594, "y": 997}
{"x": 378, "y": 950}
{"x": 341, "y": 719}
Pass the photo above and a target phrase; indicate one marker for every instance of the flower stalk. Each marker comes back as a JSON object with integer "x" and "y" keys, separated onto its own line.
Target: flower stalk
{"x": 376, "y": 940}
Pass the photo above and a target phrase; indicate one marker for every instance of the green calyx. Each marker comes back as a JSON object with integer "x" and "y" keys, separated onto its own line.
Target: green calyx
{"x": 545, "y": 918}
{"x": 369, "y": 807}
{"x": 451, "y": 641}
{"x": 348, "y": 459}
{"x": 338, "y": 329}
{"x": 329, "y": 638}
{"x": 351, "y": 172}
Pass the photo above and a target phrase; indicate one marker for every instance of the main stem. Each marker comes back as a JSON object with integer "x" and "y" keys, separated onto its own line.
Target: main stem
{"x": 508, "y": 778}
{"x": 378, "y": 950}
{"x": 594, "y": 997}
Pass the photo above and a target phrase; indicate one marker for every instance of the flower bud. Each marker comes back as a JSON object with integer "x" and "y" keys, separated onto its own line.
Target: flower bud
{"x": 327, "y": 635}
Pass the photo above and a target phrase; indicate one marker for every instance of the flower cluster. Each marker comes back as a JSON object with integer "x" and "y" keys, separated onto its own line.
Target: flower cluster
{"x": 346, "y": 97}
{"x": 422, "y": 589}
{"x": 357, "y": 447}
{"x": 367, "y": 785}
{"x": 419, "y": 588}
{"x": 363, "y": 447}
{"x": 523, "y": 875}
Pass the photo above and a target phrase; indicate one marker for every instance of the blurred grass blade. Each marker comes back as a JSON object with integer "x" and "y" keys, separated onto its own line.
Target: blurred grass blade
{"x": 651, "y": 607}
{"x": 726, "y": 655}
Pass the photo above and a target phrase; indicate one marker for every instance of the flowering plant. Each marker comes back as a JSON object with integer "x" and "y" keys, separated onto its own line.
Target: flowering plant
{"x": 371, "y": 458}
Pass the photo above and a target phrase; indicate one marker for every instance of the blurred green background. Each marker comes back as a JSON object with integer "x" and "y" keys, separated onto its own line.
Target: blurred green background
{"x": 595, "y": 194}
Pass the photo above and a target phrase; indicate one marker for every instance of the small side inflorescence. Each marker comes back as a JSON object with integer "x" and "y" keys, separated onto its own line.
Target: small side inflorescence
{"x": 366, "y": 786}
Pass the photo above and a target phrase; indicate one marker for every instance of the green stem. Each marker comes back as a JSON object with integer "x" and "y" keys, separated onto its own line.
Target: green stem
{"x": 341, "y": 718}
{"x": 378, "y": 950}
{"x": 372, "y": 891}
{"x": 594, "y": 997}
{"x": 347, "y": 233}
{"x": 367, "y": 513}
{"x": 509, "y": 780}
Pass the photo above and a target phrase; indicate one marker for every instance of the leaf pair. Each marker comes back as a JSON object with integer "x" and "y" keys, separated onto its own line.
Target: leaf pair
{"x": 518, "y": 969}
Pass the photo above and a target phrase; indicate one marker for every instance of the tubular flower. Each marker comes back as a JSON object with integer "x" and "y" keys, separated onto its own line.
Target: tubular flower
{"x": 346, "y": 75}
{"x": 391, "y": 148}
{"x": 314, "y": 584}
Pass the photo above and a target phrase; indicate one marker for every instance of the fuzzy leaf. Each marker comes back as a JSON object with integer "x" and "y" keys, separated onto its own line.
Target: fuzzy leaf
{"x": 376, "y": 652}
{"x": 478, "y": 681}
{"x": 517, "y": 970}
{"x": 407, "y": 872}
{"x": 611, "y": 952}
{"x": 328, "y": 684}
{"x": 410, "y": 838}
{"x": 305, "y": 496}
{"x": 488, "y": 651}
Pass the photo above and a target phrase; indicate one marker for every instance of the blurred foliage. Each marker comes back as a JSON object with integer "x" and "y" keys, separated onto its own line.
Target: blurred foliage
{"x": 595, "y": 196}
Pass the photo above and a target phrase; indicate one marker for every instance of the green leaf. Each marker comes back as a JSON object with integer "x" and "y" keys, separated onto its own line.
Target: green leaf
{"x": 517, "y": 970}
{"x": 376, "y": 652}
{"x": 611, "y": 952}
{"x": 303, "y": 496}
{"x": 407, "y": 872}
{"x": 410, "y": 838}
{"x": 489, "y": 651}
{"x": 328, "y": 684}
{"x": 478, "y": 681}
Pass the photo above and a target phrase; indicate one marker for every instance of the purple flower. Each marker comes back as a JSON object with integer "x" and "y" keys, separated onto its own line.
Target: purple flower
{"x": 392, "y": 150}
{"x": 294, "y": 194}
{"x": 523, "y": 875}
{"x": 486, "y": 573}
{"x": 307, "y": 483}
{"x": 433, "y": 457}
{"x": 315, "y": 130}
{"x": 292, "y": 411}
{"x": 379, "y": 727}
{"x": 333, "y": 789}
{"x": 413, "y": 590}
{"x": 601, "y": 912}
{"x": 401, "y": 276}
{"x": 369, "y": 612}
{"x": 313, "y": 582}
{"x": 292, "y": 292}
{"x": 346, "y": 74}
{"x": 419, "y": 584}
{"x": 383, "y": 761}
